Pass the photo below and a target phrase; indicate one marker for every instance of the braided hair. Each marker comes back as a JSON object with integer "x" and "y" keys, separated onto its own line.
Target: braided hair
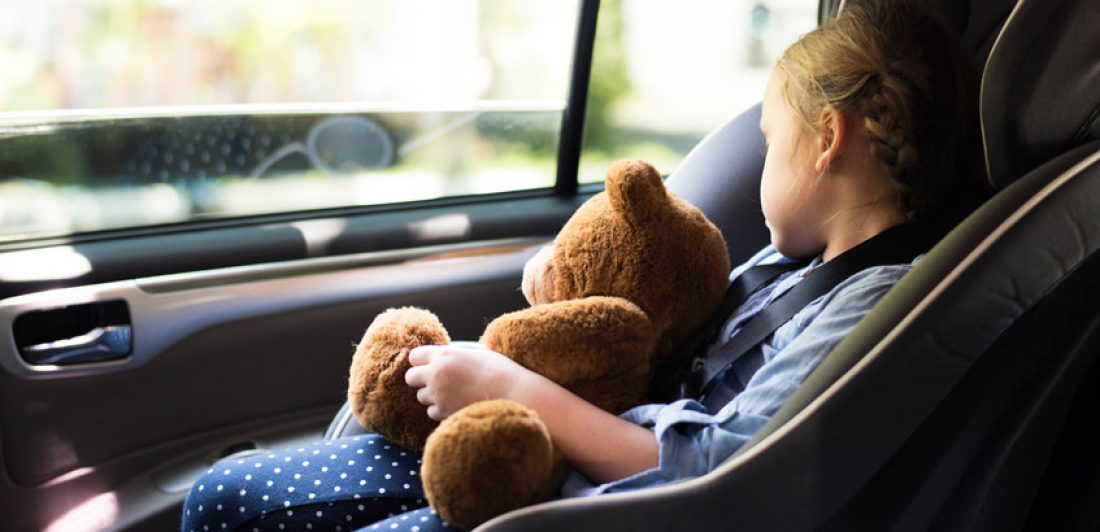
{"x": 904, "y": 74}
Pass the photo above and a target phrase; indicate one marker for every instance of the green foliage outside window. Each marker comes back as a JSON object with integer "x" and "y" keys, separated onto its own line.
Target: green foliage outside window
{"x": 609, "y": 81}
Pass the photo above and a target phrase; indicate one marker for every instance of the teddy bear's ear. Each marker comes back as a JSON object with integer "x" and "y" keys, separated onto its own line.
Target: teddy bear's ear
{"x": 635, "y": 189}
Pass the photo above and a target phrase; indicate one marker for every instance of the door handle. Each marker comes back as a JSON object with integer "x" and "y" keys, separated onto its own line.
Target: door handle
{"x": 77, "y": 334}
{"x": 102, "y": 343}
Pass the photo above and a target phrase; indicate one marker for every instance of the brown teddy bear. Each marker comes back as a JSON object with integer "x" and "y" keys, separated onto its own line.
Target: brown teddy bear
{"x": 629, "y": 278}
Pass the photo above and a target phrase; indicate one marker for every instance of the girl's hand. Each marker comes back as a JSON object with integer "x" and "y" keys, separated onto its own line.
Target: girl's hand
{"x": 448, "y": 377}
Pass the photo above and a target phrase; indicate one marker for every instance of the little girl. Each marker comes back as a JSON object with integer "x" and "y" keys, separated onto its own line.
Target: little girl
{"x": 861, "y": 119}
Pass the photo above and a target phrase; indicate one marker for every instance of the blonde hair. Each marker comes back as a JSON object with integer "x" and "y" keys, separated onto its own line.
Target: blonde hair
{"x": 904, "y": 74}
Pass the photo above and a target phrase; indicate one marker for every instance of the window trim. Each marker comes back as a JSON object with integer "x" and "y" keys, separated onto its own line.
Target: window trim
{"x": 572, "y": 121}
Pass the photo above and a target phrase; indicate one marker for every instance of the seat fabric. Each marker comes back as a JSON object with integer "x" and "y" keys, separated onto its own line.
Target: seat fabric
{"x": 941, "y": 409}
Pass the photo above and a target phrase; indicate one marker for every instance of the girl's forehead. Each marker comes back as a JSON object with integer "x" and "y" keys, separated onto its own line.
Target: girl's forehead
{"x": 772, "y": 94}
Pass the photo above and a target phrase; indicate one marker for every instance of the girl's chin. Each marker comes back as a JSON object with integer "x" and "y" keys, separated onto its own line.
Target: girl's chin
{"x": 793, "y": 250}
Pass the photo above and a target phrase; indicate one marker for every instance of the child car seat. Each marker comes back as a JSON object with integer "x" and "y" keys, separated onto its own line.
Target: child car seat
{"x": 942, "y": 408}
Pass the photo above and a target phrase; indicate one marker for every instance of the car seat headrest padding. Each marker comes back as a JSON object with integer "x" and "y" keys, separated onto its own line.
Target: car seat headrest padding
{"x": 1039, "y": 89}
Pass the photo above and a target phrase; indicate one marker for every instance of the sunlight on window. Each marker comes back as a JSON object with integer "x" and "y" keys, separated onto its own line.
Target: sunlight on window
{"x": 127, "y": 113}
{"x": 667, "y": 73}
{"x": 80, "y": 54}
{"x": 130, "y": 113}
{"x": 44, "y": 265}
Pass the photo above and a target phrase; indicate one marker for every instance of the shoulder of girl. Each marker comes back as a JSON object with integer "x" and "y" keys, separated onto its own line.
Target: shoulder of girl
{"x": 767, "y": 255}
{"x": 873, "y": 280}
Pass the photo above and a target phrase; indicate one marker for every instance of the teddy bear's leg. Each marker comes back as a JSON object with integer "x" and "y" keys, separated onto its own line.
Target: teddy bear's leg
{"x": 486, "y": 459}
{"x": 377, "y": 392}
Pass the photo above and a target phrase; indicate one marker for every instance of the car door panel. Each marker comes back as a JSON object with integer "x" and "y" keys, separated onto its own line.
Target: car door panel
{"x": 233, "y": 358}
{"x": 36, "y": 266}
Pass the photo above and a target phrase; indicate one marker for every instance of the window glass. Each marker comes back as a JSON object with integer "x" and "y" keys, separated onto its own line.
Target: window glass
{"x": 124, "y": 113}
{"x": 666, "y": 72}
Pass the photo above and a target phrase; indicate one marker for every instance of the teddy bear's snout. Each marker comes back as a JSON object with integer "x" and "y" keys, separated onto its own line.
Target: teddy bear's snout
{"x": 538, "y": 277}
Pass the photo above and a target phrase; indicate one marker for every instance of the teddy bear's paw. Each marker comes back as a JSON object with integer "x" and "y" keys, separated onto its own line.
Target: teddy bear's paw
{"x": 487, "y": 459}
{"x": 377, "y": 393}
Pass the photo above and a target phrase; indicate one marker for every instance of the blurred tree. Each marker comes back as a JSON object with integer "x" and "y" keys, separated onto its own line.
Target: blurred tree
{"x": 44, "y": 157}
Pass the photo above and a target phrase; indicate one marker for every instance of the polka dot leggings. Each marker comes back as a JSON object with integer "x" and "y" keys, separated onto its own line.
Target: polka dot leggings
{"x": 357, "y": 482}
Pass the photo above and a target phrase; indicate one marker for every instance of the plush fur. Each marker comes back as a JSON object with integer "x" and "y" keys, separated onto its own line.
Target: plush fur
{"x": 455, "y": 454}
{"x": 631, "y": 275}
{"x": 378, "y": 394}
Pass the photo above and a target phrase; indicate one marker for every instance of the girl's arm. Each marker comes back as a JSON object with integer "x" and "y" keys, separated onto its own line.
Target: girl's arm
{"x": 600, "y": 445}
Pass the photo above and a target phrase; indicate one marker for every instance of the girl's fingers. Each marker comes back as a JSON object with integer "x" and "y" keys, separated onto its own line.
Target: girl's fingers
{"x": 418, "y": 356}
{"x": 434, "y": 413}
{"x": 416, "y": 377}
{"x": 424, "y": 397}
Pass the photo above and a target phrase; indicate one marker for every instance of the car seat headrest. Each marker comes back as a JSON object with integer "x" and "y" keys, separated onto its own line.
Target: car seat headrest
{"x": 721, "y": 176}
{"x": 1039, "y": 94}
{"x": 977, "y": 21}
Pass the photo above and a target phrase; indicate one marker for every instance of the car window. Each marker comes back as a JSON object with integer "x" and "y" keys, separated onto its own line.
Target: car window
{"x": 130, "y": 113}
{"x": 666, "y": 72}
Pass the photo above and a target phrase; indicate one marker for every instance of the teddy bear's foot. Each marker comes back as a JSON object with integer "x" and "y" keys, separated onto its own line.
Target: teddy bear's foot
{"x": 377, "y": 392}
{"x": 487, "y": 459}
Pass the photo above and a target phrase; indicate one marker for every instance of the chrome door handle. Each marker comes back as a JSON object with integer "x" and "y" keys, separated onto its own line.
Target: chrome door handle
{"x": 76, "y": 334}
{"x": 99, "y": 344}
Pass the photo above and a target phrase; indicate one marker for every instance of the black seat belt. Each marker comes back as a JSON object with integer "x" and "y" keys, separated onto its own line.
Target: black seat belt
{"x": 671, "y": 377}
{"x": 897, "y": 245}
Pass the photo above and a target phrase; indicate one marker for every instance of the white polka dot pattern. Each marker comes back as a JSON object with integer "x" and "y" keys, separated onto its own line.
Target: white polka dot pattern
{"x": 290, "y": 490}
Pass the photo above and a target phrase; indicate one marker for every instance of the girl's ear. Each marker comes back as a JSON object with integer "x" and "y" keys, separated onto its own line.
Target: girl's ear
{"x": 832, "y": 139}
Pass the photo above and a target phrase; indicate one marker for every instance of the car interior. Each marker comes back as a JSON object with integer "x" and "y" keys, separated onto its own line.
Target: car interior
{"x": 961, "y": 402}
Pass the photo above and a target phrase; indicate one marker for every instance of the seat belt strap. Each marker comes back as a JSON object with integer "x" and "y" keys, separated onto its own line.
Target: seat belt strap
{"x": 668, "y": 384}
{"x": 897, "y": 245}
{"x": 740, "y": 290}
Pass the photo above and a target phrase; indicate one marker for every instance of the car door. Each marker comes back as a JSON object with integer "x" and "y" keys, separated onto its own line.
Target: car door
{"x": 184, "y": 275}
{"x": 203, "y": 205}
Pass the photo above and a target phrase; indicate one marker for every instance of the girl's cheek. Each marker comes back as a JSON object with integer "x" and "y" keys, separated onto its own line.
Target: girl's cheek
{"x": 771, "y": 193}
{"x": 765, "y": 197}
{"x": 765, "y": 183}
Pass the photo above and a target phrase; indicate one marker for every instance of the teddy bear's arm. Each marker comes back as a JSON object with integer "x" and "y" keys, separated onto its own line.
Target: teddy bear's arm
{"x": 576, "y": 340}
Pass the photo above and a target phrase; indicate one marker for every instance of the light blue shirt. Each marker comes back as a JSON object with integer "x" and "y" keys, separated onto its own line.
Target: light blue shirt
{"x": 695, "y": 437}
